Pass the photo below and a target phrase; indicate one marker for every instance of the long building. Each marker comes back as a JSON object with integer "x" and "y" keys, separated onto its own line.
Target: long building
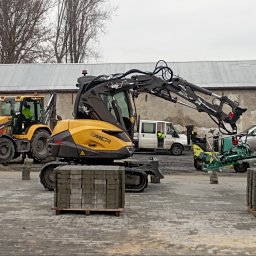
{"x": 235, "y": 79}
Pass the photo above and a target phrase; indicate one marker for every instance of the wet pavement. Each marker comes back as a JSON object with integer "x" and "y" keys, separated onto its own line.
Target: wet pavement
{"x": 183, "y": 215}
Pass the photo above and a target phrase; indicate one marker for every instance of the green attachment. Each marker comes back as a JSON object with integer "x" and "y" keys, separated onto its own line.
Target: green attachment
{"x": 232, "y": 156}
{"x": 206, "y": 158}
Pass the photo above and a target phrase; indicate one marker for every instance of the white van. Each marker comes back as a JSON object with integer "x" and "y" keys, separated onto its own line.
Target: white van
{"x": 146, "y": 137}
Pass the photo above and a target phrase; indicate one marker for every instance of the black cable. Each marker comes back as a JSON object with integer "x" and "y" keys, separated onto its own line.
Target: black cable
{"x": 166, "y": 73}
{"x": 221, "y": 125}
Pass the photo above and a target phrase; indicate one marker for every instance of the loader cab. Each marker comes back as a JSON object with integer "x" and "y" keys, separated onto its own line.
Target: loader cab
{"x": 14, "y": 108}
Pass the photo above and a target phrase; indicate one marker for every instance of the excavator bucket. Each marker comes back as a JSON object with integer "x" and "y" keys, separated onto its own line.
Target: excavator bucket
{"x": 150, "y": 167}
{"x": 136, "y": 174}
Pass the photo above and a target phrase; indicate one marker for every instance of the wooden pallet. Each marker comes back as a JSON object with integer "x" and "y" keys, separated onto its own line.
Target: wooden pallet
{"x": 59, "y": 211}
{"x": 252, "y": 211}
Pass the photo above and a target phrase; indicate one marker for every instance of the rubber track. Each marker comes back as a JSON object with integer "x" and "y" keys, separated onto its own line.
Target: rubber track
{"x": 128, "y": 188}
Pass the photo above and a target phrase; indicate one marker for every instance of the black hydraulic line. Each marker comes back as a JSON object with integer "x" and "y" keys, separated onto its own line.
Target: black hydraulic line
{"x": 161, "y": 83}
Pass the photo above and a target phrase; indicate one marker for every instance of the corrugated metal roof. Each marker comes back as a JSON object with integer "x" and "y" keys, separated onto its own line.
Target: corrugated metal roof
{"x": 45, "y": 77}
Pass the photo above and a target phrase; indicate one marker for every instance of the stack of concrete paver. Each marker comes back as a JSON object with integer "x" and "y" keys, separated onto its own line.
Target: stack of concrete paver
{"x": 89, "y": 187}
{"x": 251, "y": 190}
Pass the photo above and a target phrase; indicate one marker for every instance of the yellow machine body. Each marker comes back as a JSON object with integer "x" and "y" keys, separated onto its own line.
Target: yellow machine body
{"x": 80, "y": 139}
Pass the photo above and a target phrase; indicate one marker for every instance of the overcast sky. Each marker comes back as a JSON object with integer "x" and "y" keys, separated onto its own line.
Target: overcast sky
{"x": 180, "y": 30}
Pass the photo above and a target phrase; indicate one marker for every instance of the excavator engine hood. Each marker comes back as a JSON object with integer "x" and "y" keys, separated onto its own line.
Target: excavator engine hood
{"x": 82, "y": 139}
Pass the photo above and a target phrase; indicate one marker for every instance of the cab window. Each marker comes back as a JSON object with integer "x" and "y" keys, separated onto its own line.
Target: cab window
{"x": 9, "y": 107}
{"x": 121, "y": 99}
{"x": 148, "y": 128}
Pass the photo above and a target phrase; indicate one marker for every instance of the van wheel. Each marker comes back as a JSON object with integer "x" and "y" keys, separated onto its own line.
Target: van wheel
{"x": 39, "y": 145}
{"x": 176, "y": 149}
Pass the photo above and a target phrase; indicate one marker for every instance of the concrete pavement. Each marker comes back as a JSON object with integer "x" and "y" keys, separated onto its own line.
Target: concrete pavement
{"x": 184, "y": 215}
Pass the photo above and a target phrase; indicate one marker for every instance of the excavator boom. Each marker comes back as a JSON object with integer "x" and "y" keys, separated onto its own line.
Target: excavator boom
{"x": 161, "y": 83}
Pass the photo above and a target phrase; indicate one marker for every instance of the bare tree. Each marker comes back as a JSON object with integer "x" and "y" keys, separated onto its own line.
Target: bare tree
{"x": 78, "y": 23}
{"x": 24, "y": 32}
{"x": 61, "y": 33}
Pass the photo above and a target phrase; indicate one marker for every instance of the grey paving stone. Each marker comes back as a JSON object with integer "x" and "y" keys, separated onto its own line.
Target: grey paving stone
{"x": 183, "y": 215}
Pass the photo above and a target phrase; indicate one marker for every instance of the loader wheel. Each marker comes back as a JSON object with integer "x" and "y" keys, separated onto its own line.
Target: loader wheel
{"x": 176, "y": 149}
{"x": 47, "y": 177}
{"x": 39, "y": 145}
{"x": 241, "y": 167}
{"x": 7, "y": 150}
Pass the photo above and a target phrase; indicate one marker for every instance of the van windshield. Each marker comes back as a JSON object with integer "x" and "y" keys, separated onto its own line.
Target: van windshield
{"x": 170, "y": 129}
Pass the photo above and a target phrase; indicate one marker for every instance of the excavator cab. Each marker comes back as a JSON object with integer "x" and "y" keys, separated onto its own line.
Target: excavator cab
{"x": 108, "y": 104}
{"x": 119, "y": 105}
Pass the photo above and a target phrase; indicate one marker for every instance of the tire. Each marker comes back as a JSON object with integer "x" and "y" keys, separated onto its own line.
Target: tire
{"x": 198, "y": 164}
{"x": 39, "y": 145}
{"x": 241, "y": 167}
{"x": 7, "y": 150}
{"x": 47, "y": 177}
{"x": 176, "y": 149}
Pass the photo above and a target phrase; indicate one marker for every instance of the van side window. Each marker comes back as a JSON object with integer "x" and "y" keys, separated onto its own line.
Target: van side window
{"x": 148, "y": 128}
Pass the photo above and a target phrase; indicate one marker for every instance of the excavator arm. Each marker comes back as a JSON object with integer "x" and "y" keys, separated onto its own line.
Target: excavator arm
{"x": 162, "y": 83}
{"x": 221, "y": 110}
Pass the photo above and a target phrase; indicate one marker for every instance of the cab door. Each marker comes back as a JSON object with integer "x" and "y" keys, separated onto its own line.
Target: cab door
{"x": 169, "y": 135}
{"x": 161, "y": 129}
{"x": 147, "y": 135}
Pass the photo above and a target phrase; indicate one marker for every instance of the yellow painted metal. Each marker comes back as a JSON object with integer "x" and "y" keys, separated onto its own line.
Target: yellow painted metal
{"x": 61, "y": 127}
{"x": 22, "y": 97}
{"x": 31, "y": 131}
{"x": 197, "y": 150}
{"x": 3, "y": 120}
{"x": 90, "y": 134}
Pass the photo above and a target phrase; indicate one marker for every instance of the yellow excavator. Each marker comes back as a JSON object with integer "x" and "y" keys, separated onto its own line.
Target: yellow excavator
{"x": 105, "y": 114}
{"x": 22, "y": 134}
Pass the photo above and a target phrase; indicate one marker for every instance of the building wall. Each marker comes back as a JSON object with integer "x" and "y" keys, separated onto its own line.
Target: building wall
{"x": 65, "y": 103}
{"x": 151, "y": 107}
